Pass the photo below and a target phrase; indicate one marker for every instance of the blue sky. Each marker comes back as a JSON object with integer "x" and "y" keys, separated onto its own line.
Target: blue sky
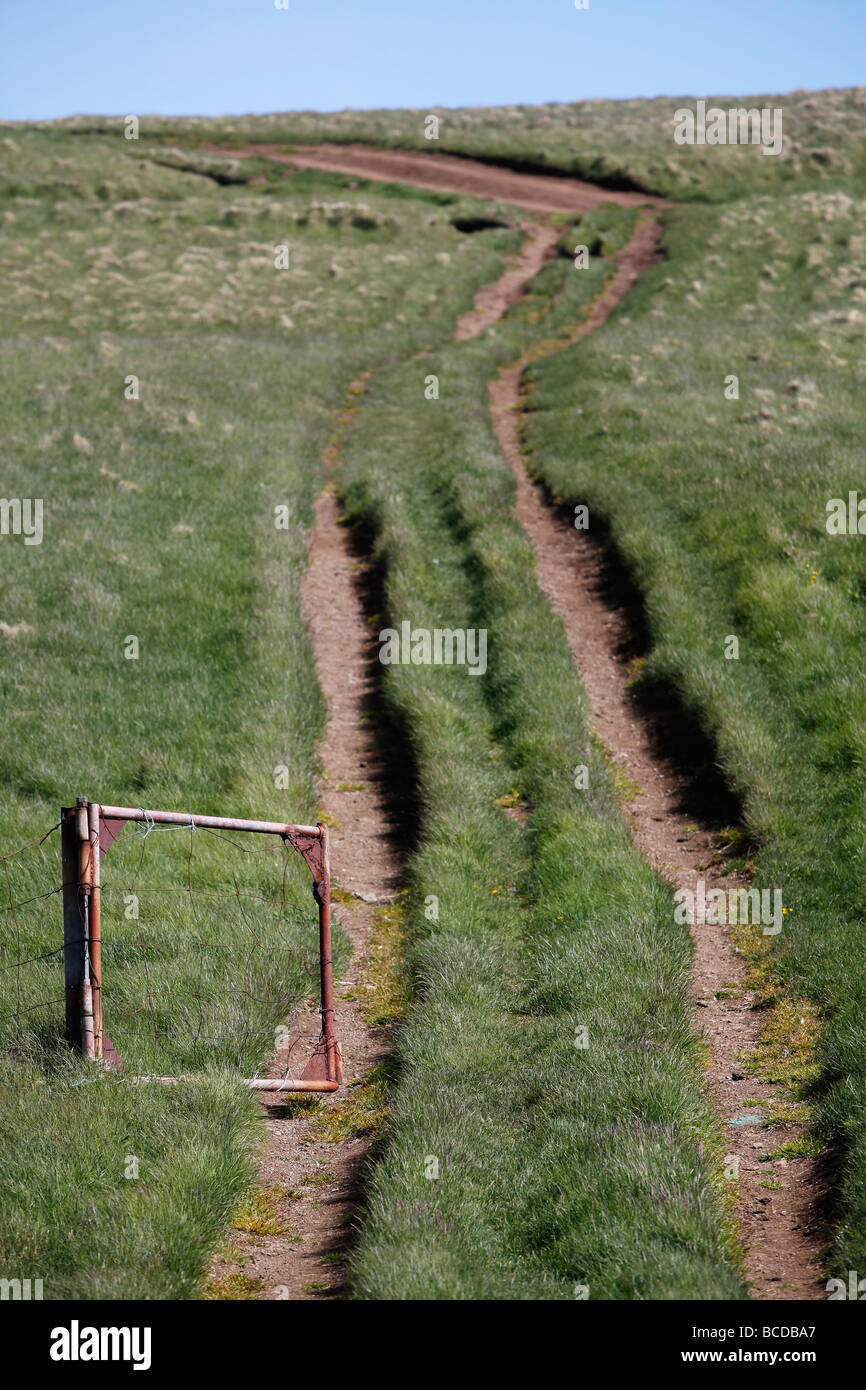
{"x": 209, "y": 57}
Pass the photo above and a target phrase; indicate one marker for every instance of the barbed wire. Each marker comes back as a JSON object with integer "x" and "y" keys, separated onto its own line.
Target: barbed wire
{"x": 203, "y": 970}
{"x": 31, "y": 844}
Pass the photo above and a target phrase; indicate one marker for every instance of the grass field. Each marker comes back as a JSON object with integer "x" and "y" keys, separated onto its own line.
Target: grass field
{"x": 547, "y": 925}
{"x": 718, "y": 508}
{"x": 159, "y": 523}
{"x": 615, "y": 143}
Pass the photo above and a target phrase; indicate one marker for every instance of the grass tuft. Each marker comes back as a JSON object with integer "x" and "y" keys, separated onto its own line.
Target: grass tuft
{"x": 363, "y": 1113}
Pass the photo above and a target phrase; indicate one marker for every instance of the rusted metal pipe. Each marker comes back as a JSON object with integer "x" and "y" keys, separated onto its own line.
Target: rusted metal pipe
{"x": 268, "y": 1083}
{"x": 73, "y": 924}
{"x": 325, "y": 963}
{"x": 83, "y": 846}
{"x": 257, "y": 1083}
{"x": 82, "y": 827}
{"x": 260, "y": 827}
{"x": 95, "y": 933}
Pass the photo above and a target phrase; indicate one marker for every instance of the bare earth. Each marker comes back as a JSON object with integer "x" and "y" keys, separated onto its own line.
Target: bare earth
{"x": 445, "y": 173}
{"x": 492, "y": 301}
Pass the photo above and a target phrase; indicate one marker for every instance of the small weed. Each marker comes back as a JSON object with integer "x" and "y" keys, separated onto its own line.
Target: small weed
{"x": 512, "y": 798}
{"x": 386, "y": 996}
{"x": 734, "y": 838}
{"x": 787, "y": 1112}
{"x": 364, "y": 1111}
{"x": 760, "y": 977}
{"x": 804, "y": 1146}
{"x": 625, "y": 787}
{"x": 636, "y": 672}
{"x": 235, "y": 1287}
{"x": 258, "y": 1214}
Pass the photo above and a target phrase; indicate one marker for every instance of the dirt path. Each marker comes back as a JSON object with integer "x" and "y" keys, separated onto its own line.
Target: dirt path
{"x": 317, "y": 1180}
{"x": 783, "y": 1237}
{"x": 492, "y": 301}
{"x": 446, "y": 174}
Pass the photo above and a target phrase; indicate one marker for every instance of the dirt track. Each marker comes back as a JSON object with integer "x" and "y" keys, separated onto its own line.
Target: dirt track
{"x": 446, "y": 173}
{"x": 322, "y": 1179}
{"x": 783, "y": 1237}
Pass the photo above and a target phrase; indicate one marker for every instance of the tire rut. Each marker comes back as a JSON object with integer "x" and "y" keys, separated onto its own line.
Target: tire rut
{"x": 320, "y": 1181}
{"x": 782, "y": 1235}
{"x": 444, "y": 173}
{"x": 781, "y": 1230}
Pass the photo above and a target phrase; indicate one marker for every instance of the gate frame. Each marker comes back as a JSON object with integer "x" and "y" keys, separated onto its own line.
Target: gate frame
{"x": 88, "y": 831}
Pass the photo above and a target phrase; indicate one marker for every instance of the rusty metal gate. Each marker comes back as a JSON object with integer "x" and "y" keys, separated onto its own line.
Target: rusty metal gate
{"x": 88, "y": 831}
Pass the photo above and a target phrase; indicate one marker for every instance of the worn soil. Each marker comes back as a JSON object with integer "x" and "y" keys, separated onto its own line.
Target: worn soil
{"x": 445, "y": 173}
{"x": 319, "y": 1181}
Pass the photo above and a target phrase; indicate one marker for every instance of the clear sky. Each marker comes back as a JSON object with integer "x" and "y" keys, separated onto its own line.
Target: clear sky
{"x": 211, "y": 57}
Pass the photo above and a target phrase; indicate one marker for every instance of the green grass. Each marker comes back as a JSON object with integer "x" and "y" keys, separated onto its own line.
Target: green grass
{"x": 159, "y": 522}
{"x": 72, "y": 1208}
{"x": 617, "y": 143}
{"x": 491, "y": 1184}
{"x": 717, "y": 507}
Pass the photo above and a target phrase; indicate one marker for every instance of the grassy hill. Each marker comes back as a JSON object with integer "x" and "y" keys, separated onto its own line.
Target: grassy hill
{"x": 617, "y": 143}
{"x": 151, "y": 259}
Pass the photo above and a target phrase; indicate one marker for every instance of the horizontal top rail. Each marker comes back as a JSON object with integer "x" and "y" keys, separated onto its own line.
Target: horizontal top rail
{"x": 262, "y": 827}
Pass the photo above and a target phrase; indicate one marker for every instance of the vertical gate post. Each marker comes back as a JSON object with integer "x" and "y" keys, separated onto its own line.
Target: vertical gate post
{"x": 95, "y": 931}
{"x": 73, "y": 925}
{"x": 85, "y": 861}
{"x": 334, "y": 1067}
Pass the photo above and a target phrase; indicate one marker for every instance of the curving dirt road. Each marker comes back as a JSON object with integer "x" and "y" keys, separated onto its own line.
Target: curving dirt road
{"x": 781, "y": 1229}
{"x": 782, "y": 1235}
{"x": 445, "y": 173}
